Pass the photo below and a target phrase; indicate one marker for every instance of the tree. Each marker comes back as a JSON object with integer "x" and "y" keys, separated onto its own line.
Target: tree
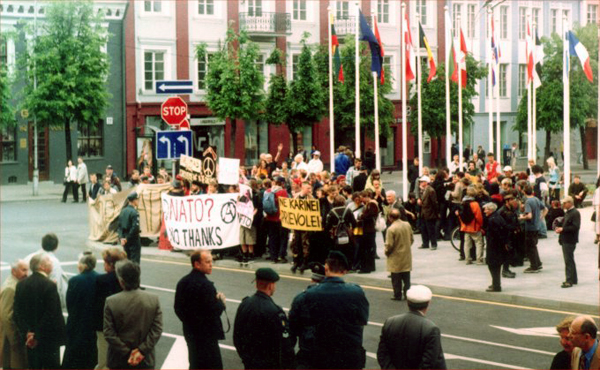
{"x": 7, "y": 113}
{"x": 305, "y": 98}
{"x": 433, "y": 97}
{"x": 234, "y": 84}
{"x": 276, "y": 110}
{"x": 70, "y": 67}
{"x": 549, "y": 109}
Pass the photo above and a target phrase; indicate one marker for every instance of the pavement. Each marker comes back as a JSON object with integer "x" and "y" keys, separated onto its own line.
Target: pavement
{"x": 440, "y": 269}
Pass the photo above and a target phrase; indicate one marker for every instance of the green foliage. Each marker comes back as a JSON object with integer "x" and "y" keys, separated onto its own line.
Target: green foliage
{"x": 234, "y": 84}
{"x": 433, "y": 98}
{"x": 276, "y": 110}
{"x": 306, "y": 97}
{"x": 7, "y": 112}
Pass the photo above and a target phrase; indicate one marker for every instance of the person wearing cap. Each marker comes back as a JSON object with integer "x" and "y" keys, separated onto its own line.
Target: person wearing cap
{"x": 114, "y": 179}
{"x": 129, "y": 228}
{"x": 568, "y": 237}
{"x": 315, "y": 165}
{"x": 429, "y": 213}
{"x": 261, "y": 330}
{"x": 410, "y": 340}
{"x": 329, "y": 320}
{"x": 176, "y": 189}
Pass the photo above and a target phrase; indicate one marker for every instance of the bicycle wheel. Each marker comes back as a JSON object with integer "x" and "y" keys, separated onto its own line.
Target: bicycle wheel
{"x": 455, "y": 239}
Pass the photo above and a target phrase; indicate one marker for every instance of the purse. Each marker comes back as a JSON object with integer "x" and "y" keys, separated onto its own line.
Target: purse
{"x": 380, "y": 223}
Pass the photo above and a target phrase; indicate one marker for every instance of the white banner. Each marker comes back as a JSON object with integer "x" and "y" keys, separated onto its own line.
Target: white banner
{"x": 245, "y": 207}
{"x": 229, "y": 171}
{"x": 202, "y": 221}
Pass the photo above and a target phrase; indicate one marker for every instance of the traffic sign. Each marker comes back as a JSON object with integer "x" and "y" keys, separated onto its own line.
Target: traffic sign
{"x": 174, "y": 110}
{"x": 175, "y": 87}
{"x": 184, "y": 125}
{"x": 172, "y": 144}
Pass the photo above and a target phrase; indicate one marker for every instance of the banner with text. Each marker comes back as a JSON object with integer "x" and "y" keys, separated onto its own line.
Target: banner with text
{"x": 245, "y": 207}
{"x": 202, "y": 221}
{"x": 300, "y": 214}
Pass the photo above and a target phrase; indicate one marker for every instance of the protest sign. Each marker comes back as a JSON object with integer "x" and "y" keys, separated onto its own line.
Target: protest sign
{"x": 245, "y": 208}
{"x": 202, "y": 221}
{"x": 300, "y": 214}
{"x": 229, "y": 171}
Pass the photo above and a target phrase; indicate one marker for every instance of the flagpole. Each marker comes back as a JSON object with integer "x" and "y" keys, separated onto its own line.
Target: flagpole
{"x": 419, "y": 105}
{"x": 498, "y": 92}
{"x": 566, "y": 107}
{"x": 376, "y": 107}
{"x": 404, "y": 118}
{"x": 460, "y": 113}
{"x": 529, "y": 127}
{"x": 331, "y": 129}
{"x": 357, "y": 83}
{"x": 448, "y": 118}
{"x": 533, "y": 96}
{"x": 490, "y": 87}
{"x": 598, "y": 121}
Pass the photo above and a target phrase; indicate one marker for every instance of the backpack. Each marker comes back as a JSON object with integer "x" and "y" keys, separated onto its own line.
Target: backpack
{"x": 466, "y": 213}
{"x": 340, "y": 232}
{"x": 268, "y": 202}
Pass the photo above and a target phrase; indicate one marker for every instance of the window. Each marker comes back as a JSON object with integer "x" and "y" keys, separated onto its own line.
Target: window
{"x": 592, "y": 13}
{"x": 342, "y": 9}
{"x": 522, "y": 23}
{"x": 422, "y": 10}
{"x": 535, "y": 17}
{"x": 388, "y": 68}
{"x": 504, "y": 22}
{"x": 255, "y": 8}
{"x": 299, "y": 10}
{"x": 260, "y": 64}
{"x": 153, "y": 6}
{"x": 206, "y": 7}
{"x": 554, "y": 22}
{"x": 471, "y": 20}
{"x": 503, "y": 86}
{"x": 203, "y": 71}
{"x": 456, "y": 8}
{"x": 3, "y": 52}
{"x": 295, "y": 59}
{"x": 8, "y": 142}
{"x": 383, "y": 11}
{"x": 154, "y": 68}
{"x": 522, "y": 79}
{"x": 89, "y": 140}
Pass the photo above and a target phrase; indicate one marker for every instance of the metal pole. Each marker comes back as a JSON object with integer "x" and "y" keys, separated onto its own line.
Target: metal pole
{"x": 36, "y": 170}
{"x": 357, "y": 83}
{"x": 533, "y": 98}
{"x": 331, "y": 128}
{"x": 566, "y": 108}
{"x": 419, "y": 104}
{"x": 498, "y": 96}
{"x": 404, "y": 118}
{"x": 460, "y": 113}
{"x": 376, "y": 106}
{"x": 530, "y": 155}
{"x": 490, "y": 88}
{"x": 448, "y": 118}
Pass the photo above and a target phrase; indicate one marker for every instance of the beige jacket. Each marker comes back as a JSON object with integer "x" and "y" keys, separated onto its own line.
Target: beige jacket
{"x": 399, "y": 239}
{"x": 15, "y": 355}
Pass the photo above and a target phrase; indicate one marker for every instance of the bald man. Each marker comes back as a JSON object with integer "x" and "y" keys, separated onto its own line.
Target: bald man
{"x": 12, "y": 351}
{"x": 583, "y": 334}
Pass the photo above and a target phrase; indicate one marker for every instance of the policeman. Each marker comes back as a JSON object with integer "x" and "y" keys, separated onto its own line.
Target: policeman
{"x": 129, "y": 228}
{"x": 261, "y": 331}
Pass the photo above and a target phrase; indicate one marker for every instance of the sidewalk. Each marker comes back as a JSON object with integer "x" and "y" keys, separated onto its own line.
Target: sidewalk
{"x": 47, "y": 190}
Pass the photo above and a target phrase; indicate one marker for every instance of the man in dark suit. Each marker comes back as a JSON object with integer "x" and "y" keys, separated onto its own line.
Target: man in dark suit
{"x": 410, "y": 341}
{"x": 199, "y": 307}
{"x": 38, "y": 315}
{"x": 568, "y": 238}
{"x": 132, "y": 322}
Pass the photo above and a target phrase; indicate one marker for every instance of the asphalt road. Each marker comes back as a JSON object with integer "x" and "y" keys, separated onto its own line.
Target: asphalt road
{"x": 476, "y": 334}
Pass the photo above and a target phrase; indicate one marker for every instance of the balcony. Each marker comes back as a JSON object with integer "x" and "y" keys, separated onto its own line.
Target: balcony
{"x": 347, "y": 25}
{"x": 266, "y": 24}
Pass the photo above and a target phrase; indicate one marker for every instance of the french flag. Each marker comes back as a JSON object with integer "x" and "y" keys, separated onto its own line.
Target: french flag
{"x": 576, "y": 48}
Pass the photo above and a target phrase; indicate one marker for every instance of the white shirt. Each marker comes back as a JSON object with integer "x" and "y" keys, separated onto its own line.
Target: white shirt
{"x": 301, "y": 166}
{"x": 315, "y": 166}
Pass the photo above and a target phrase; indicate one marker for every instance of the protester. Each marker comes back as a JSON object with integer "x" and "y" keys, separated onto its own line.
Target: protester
{"x": 315, "y": 165}
{"x": 342, "y": 162}
{"x": 94, "y": 185}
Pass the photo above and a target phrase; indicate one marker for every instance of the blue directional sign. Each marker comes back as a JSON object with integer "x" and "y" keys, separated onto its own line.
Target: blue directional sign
{"x": 172, "y": 144}
{"x": 175, "y": 87}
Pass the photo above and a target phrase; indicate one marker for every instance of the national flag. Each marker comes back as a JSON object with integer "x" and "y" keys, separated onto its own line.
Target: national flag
{"x": 424, "y": 43}
{"x": 538, "y": 59}
{"x": 497, "y": 53}
{"x": 529, "y": 53}
{"x": 462, "y": 60}
{"x": 382, "y": 79}
{"x": 410, "y": 62}
{"x": 337, "y": 60}
{"x": 451, "y": 54}
{"x": 576, "y": 48}
{"x": 367, "y": 35}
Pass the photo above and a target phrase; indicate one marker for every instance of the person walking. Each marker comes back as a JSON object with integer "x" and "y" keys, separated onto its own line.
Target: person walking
{"x": 129, "y": 229}
{"x": 568, "y": 237}
{"x": 199, "y": 306}
{"x": 70, "y": 182}
{"x": 410, "y": 340}
{"x": 82, "y": 178}
{"x": 399, "y": 256}
{"x": 261, "y": 331}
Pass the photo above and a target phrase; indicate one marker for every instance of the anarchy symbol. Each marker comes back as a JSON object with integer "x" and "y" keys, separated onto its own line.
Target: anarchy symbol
{"x": 228, "y": 212}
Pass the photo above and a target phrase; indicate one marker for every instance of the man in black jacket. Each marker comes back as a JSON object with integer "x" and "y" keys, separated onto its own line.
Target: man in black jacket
{"x": 38, "y": 315}
{"x": 199, "y": 307}
{"x": 261, "y": 332}
{"x": 129, "y": 229}
{"x": 360, "y": 181}
{"x": 411, "y": 341}
{"x": 568, "y": 239}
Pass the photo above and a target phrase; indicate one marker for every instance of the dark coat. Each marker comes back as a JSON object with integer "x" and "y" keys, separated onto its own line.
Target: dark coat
{"x": 368, "y": 217}
{"x": 496, "y": 239}
{"x": 429, "y": 204}
{"x": 571, "y": 225}
{"x": 81, "y": 350}
{"x": 261, "y": 334}
{"x": 93, "y": 192}
{"x": 106, "y": 285}
{"x": 410, "y": 341}
{"x": 359, "y": 182}
{"x": 129, "y": 225}
{"x": 37, "y": 309}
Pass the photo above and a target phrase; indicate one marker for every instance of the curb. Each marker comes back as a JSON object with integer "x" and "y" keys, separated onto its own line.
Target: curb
{"x": 441, "y": 291}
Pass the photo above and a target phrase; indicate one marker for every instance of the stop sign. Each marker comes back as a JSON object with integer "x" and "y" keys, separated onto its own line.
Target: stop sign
{"x": 174, "y": 110}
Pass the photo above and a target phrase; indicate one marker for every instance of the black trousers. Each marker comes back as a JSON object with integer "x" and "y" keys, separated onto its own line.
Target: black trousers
{"x": 495, "y": 272}
{"x": 133, "y": 249}
{"x": 428, "y": 233}
{"x": 531, "y": 251}
{"x": 569, "y": 257}
{"x": 83, "y": 192}
{"x": 204, "y": 353}
{"x": 367, "y": 250}
{"x": 44, "y": 357}
{"x": 400, "y": 283}
{"x": 71, "y": 186}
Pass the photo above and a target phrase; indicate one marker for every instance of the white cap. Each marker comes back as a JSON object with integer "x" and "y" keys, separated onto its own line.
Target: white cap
{"x": 507, "y": 168}
{"x": 419, "y": 294}
{"x": 425, "y": 178}
{"x": 316, "y": 152}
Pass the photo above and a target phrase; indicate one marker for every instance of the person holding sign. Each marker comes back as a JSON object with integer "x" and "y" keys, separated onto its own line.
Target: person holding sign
{"x": 300, "y": 240}
{"x": 278, "y": 235}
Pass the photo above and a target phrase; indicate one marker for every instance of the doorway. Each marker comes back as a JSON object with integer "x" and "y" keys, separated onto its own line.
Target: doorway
{"x": 43, "y": 159}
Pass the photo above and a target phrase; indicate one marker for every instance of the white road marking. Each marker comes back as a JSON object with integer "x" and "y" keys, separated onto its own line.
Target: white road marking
{"x": 548, "y": 331}
{"x": 498, "y": 344}
{"x": 448, "y": 356}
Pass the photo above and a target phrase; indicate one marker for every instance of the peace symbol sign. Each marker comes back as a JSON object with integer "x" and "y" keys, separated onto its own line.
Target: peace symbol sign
{"x": 228, "y": 212}
{"x": 208, "y": 167}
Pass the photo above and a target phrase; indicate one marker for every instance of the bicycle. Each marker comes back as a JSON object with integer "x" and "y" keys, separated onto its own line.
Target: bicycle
{"x": 455, "y": 239}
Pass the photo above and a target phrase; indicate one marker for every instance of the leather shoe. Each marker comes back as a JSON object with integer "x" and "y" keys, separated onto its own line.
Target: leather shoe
{"x": 508, "y": 274}
{"x": 492, "y": 289}
{"x": 566, "y": 285}
{"x": 396, "y": 298}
